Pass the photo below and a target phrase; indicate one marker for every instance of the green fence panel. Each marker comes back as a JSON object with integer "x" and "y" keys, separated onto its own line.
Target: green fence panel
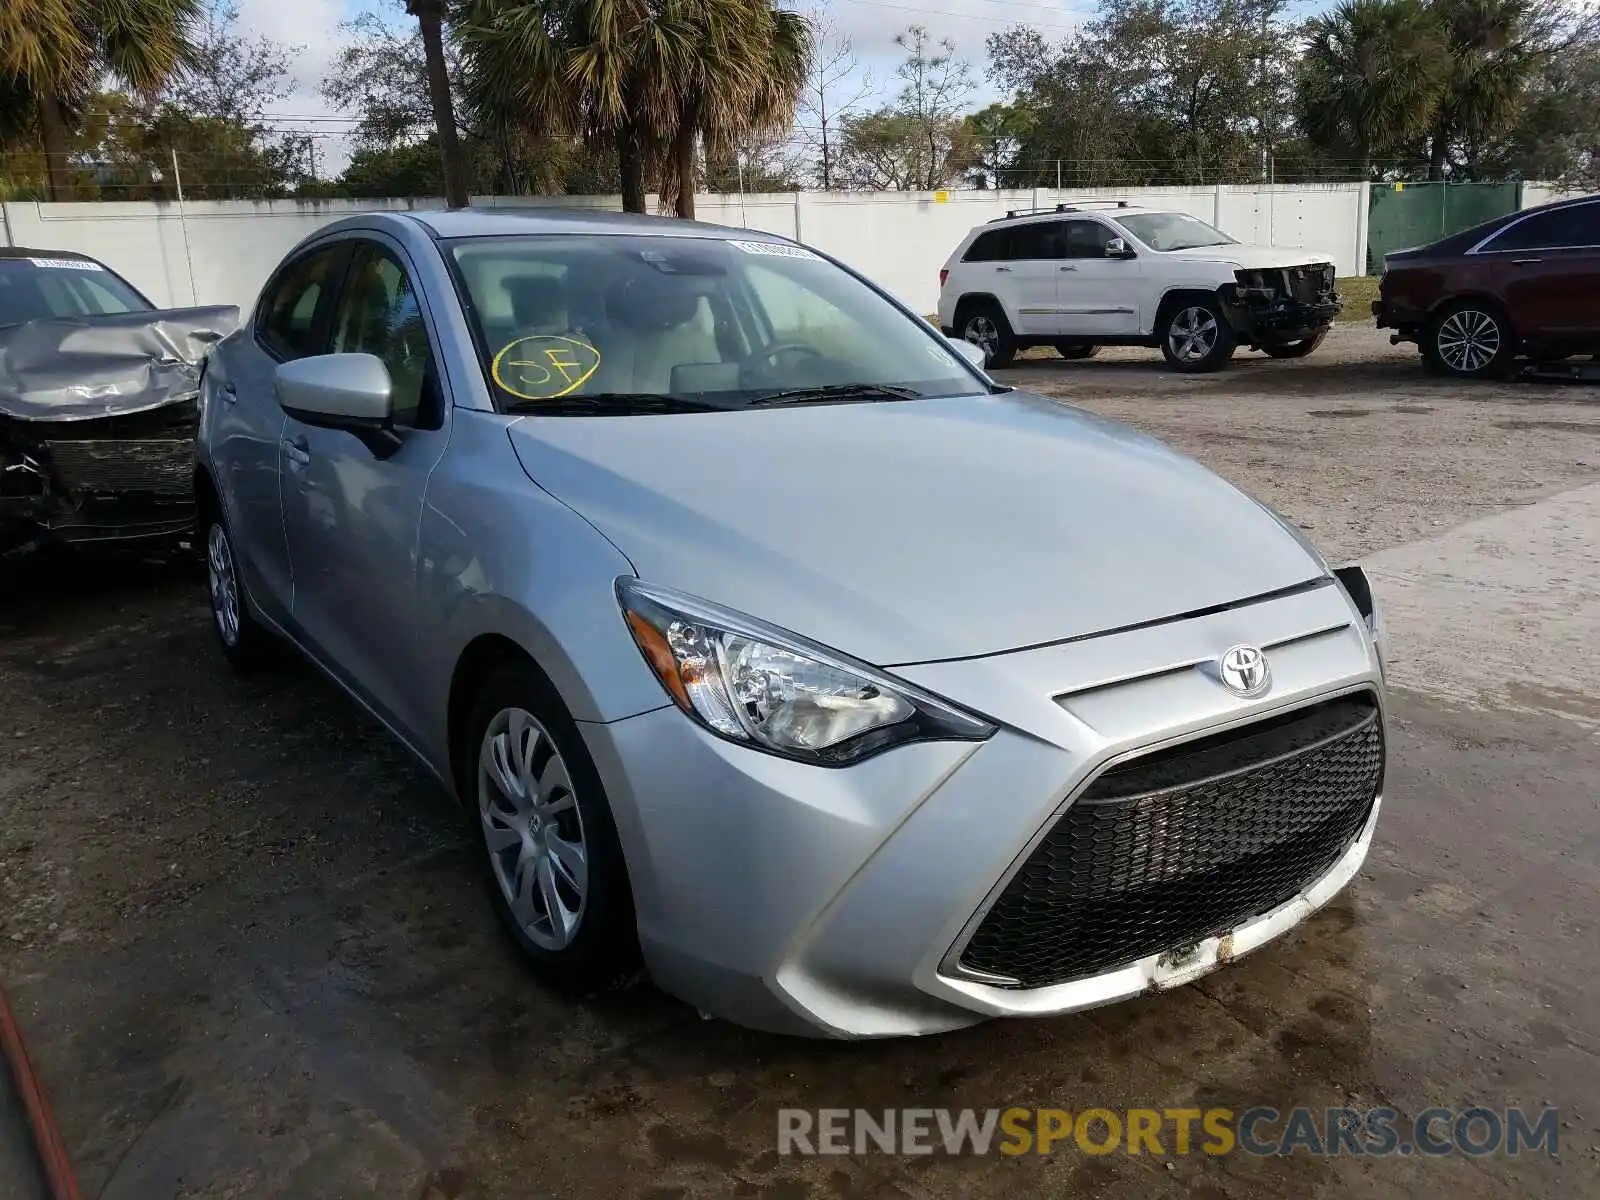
{"x": 1402, "y": 215}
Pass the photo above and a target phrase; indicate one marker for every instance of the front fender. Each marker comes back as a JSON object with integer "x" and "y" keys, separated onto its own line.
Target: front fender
{"x": 501, "y": 556}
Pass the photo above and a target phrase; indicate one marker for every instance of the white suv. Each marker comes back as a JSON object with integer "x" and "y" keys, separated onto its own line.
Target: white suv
{"x": 1095, "y": 273}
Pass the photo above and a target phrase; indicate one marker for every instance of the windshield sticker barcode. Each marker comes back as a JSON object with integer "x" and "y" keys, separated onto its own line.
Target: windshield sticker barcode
{"x": 776, "y": 250}
{"x": 67, "y": 264}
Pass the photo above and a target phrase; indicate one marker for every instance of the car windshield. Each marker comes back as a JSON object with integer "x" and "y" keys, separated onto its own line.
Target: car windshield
{"x": 610, "y": 324}
{"x": 1174, "y": 231}
{"x": 33, "y": 289}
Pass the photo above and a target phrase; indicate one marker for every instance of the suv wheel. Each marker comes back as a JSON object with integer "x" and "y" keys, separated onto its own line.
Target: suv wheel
{"x": 1469, "y": 339}
{"x": 986, "y": 327}
{"x": 1295, "y": 349}
{"x": 555, "y": 870}
{"x": 1196, "y": 336}
{"x": 245, "y": 643}
{"x": 1073, "y": 351}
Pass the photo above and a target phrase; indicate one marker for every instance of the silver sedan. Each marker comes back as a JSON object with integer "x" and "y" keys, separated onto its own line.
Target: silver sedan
{"x": 766, "y": 640}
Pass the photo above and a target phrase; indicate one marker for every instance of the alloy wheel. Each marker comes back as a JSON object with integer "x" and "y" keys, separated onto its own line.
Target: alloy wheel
{"x": 981, "y": 332}
{"x": 1193, "y": 334}
{"x": 1469, "y": 340}
{"x": 533, "y": 828}
{"x": 223, "y": 584}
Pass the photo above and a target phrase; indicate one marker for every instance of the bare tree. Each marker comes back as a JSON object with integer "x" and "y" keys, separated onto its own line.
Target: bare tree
{"x": 836, "y": 87}
{"x": 937, "y": 86}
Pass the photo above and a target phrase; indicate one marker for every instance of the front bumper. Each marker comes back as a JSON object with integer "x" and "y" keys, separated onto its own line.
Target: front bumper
{"x": 803, "y": 899}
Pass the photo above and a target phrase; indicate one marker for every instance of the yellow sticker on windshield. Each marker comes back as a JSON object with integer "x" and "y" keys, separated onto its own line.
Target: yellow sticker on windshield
{"x": 544, "y": 366}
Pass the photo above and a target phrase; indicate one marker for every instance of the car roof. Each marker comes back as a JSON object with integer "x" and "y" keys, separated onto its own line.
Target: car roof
{"x": 499, "y": 222}
{"x": 25, "y": 252}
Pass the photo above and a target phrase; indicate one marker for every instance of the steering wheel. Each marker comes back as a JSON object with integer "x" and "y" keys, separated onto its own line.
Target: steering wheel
{"x": 751, "y": 364}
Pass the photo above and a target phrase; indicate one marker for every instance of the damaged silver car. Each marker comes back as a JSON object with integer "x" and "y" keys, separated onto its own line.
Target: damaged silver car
{"x": 98, "y": 392}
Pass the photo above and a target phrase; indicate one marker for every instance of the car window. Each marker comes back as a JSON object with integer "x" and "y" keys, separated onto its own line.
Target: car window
{"x": 1086, "y": 239}
{"x": 377, "y": 313}
{"x": 38, "y": 289}
{"x": 614, "y": 320}
{"x": 990, "y": 246}
{"x": 1173, "y": 231}
{"x": 1560, "y": 228}
{"x": 287, "y": 323}
{"x": 1037, "y": 240}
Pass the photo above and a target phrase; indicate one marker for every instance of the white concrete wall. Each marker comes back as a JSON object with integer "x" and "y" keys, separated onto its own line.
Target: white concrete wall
{"x": 1535, "y": 194}
{"x": 220, "y": 252}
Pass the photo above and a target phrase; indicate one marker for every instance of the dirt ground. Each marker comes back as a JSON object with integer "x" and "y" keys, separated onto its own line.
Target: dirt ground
{"x": 247, "y": 941}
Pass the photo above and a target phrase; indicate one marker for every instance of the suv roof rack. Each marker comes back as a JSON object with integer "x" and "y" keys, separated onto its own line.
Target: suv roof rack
{"x": 1064, "y": 207}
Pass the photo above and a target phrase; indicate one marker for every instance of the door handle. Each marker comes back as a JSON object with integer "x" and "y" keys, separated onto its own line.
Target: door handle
{"x": 1003, "y": 270}
{"x": 1522, "y": 262}
{"x": 1066, "y": 268}
{"x": 297, "y": 451}
{"x": 226, "y": 391}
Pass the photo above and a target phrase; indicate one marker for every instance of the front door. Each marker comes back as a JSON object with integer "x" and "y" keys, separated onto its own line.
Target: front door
{"x": 1096, "y": 295}
{"x": 351, "y": 514}
{"x": 1549, "y": 268}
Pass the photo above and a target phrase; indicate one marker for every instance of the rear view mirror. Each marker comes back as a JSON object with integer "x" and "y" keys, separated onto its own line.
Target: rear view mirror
{"x": 970, "y": 351}
{"x": 352, "y": 392}
{"x": 1118, "y": 248}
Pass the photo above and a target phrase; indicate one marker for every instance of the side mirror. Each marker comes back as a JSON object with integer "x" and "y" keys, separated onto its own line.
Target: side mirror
{"x": 970, "y": 351}
{"x": 352, "y": 392}
{"x": 1118, "y": 248}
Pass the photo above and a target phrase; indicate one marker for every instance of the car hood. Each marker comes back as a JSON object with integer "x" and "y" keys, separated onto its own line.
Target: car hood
{"x": 914, "y": 531}
{"x": 1250, "y": 258}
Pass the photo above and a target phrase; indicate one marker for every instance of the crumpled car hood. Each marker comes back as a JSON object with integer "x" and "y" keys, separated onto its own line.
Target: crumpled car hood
{"x": 915, "y": 531}
{"x": 1251, "y": 258}
{"x": 83, "y": 368}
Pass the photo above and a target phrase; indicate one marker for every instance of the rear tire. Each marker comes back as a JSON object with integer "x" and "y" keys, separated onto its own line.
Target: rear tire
{"x": 546, "y": 836}
{"x": 1074, "y": 351}
{"x": 1295, "y": 349}
{"x": 985, "y": 325}
{"x": 246, "y": 644}
{"x": 1196, "y": 336}
{"x": 1470, "y": 339}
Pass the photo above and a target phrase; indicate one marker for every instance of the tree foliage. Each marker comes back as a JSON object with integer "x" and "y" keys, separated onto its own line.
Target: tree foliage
{"x": 921, "y": 141}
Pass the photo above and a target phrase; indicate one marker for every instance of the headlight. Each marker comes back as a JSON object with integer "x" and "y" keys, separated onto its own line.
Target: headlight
{"x": 753, "y": 683}
{"x": 1356, "y": 585}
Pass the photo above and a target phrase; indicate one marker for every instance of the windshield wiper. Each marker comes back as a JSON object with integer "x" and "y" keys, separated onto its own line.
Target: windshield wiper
{"x": 836, "y": 391}
{"x": 618, "y": 403}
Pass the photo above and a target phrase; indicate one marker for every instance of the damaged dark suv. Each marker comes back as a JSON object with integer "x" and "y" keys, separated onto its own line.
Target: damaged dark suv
{"x": 98, "y": 394}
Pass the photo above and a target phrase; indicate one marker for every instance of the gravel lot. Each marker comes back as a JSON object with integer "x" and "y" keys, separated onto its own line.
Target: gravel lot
{"x": 246, "y": 939}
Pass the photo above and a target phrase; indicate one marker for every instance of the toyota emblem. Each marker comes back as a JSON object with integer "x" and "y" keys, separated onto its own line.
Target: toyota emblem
{"x": 1244, "y": 670}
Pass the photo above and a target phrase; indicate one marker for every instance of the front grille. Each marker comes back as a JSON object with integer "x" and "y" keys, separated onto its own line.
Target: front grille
{"x": 1310, "y": 285}
{"x": 150, "y": 467}
{"x": 1185, "y": 844}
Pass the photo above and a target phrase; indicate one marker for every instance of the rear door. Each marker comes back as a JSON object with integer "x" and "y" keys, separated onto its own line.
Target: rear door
{"x": 1097, "y": 295}
{"x": 244, "y": 422}
{"x": 1035, "y": 262}
{"x": 1547, "y": 267}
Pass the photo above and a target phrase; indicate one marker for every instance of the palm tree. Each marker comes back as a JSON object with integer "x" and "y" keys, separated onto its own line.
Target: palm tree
{"x": 1371, "y": 76}
{"x": 430, "y": 17}
{"x": 56, "y": 52}
{"x": 1495, "y": 48}
{"x": 751, "y": 65}
{"x": 649, "y": 77}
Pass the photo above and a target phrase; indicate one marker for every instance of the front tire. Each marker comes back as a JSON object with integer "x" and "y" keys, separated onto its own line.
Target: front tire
{"x": 556, "y": 875}
{"x": 1296, "y": 349}
{"x": 1196, "y": 336}
{"x": 985, "y": 326}
{"x": 245, "y": 643}
{"x": 1470, "y": 340}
